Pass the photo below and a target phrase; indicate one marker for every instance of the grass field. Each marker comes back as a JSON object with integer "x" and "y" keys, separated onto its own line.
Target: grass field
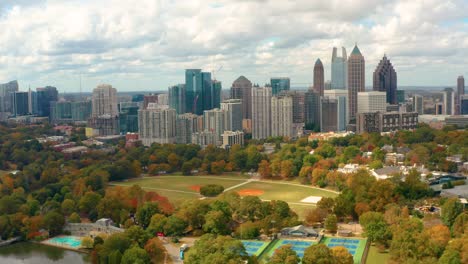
{"x": 178, "y": 188}
{"x": 375, "y": 256}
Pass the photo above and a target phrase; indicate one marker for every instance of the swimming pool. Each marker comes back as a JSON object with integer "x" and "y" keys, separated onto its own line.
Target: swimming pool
{"x": 65, "y": 241}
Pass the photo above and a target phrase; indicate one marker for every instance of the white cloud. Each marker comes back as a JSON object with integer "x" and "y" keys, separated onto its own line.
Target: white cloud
{"x": 148, "y": 44}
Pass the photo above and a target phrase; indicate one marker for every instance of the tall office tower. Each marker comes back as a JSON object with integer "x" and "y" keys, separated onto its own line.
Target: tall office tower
{"x": 339, "y": 69}
{"x": 281, "y": 116}
{"x": 6, "y": 99}
{"x": 157, "y": 124}
{"x": 186, "y": 125}
{"x": 128, "y": 119}
{"x": 329, "y": 114}
{"x": 341, "y": 97}
{"x": 177, "y": 98}
{"x": 32, "y": 102}
{"x": 20, "y": 103}
{"x": 148, "y": 99}
{"x": 242, "y": 89}
{"x": 81, "y": 111}
{"x": 233, "y": 112}
{"x": 369, "y": 102}
{"x": 199, "y": 92}
{"x": 280, "y": 84}
{"x": 312, "y": 110}
{"x": 464, "y": 105}
{"x": 460, "y": 93}
{"x": 356, "y": 80}
{"x": 298, "y": 106}
{"x": 104, "y": 101}
{"x": 214, "y": 120}
{"x": 163, "y": 99}
{"x": 261, "y": 112}
{"x": 449, "y": 101}
{"x": 385, "y": 80}
{"x": 44, "y": 97}
{"x": 401, "y": 96}
{"x": 216, "y": 95}
{"x": 319, "y": 78}
{"x": 60, "y": 112}
{"x": 418, "y": 105}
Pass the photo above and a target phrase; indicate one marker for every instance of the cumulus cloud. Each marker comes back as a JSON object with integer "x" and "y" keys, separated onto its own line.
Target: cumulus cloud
{"x": 147, "y": 44}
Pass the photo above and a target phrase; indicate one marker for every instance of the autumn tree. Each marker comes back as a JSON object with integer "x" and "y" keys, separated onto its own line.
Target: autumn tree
{"x": 318, "y": 253}
{"x": 341, "y": 255}
{"x": 284, "y": 255}
{"x": 264, "y": 169}
{"x": 450, "y": 210}
{"x": 331, "y": 223}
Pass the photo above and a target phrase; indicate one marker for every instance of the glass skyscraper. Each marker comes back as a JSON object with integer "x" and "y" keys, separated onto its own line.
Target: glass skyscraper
{"x": 201, "y": 93}
{"x": 339, "y": 69}
{"x": 280, "y": 84}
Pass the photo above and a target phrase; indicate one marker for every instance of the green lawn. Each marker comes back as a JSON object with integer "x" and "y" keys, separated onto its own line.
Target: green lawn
{"x": 375, "y": 257}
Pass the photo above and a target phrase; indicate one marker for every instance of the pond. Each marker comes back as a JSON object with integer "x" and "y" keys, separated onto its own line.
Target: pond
{"x": 32, "y": 253}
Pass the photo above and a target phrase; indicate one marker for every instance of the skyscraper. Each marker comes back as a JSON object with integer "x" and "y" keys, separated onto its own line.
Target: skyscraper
{"x": 312, "y": 109}
{"x": 21, "y": 103}
{"x": 177, "y": 98}
{"x": 242, "y": 89}
{"x": 186, "y": 125}
{"x": 356, "y": 80}
{"x": 280, "y": 84}
{"x": 233, "y": 111}
{"x": 298, "y": 106}
{"x": 460, "y": 92}
{"x": 370, "y": 102}
{"x": 6, "y": 99}
{"x": 157, "y": 124}
{"x": 319, "y": 78}
{"x": 44, "y": 97}
{"x": 281, "y": 116}
{"x": 418, "y": 104}
{"x": 385, "y": 80}
{"x": 104, "y": 101}
{"x": 449, "y": 101}
{"x": 341, "y": 97}
{"x": 261, "y": 112}
{"x": 149, "y": 98}
{"x": 81, "y": 110}
{"x": 329, "y": 114}
{"x": 201, "y": 93}
{"x": 339, "y": 69}
{"x": 214, "y": 120}
{"x": 215, "y": 95}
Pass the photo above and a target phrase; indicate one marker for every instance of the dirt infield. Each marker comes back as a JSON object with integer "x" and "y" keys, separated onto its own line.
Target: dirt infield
{"x": 253, "y": 192}
{"x": 195, "y": 188}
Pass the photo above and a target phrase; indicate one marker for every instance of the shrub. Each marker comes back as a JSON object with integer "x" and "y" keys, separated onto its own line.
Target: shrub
{"x": 211, "y": 190}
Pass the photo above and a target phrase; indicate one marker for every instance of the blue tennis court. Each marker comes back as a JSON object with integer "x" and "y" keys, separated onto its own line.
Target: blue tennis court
{"x": 297, "y": 245}
{"x": 354, "y": 246}
{"x": 254, "y": 247}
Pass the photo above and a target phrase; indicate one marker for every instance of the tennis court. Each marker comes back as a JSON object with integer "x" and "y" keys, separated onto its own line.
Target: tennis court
{"x": 254, "y": 247}
{"x": 297, "y": 245}
{"x": 353, "y": 245}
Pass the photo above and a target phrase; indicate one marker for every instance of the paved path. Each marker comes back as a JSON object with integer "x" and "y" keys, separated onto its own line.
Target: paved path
{"x": 238, "y": 185}
{"x": 173, "y": 250}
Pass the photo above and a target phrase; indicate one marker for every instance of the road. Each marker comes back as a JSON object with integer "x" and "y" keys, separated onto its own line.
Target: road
{"x": 173, "y": 249}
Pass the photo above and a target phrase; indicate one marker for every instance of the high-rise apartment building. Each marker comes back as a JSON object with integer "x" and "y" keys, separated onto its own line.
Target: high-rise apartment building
{"x": 464, "y": 105}
{"x": 148, "y": 99}
{"x": 128, "y": 119}
{"x": 298, "y": 105}
{"x": 186, "y": 125}
{"x": 449, "y": 101}
{"x": 242, "y": 89}
{"x": 339, "y": 69}
{"x": 81, "y": 110}
{"x": 319, "y": 78}
{"x": 279, "y": 84}
{"x": 104, "y": 101}
{"x": 163, "y": 99}
{"x": 356, "y": 80}
{"x": 157, "y": 124}
{"x": 418, "y": 104}
{"x": 460, "y": 93}
{"x": 341, "y": 97}
{"x": 60, "y": 112}
{"x": 385, "y": 80}
{"x": 281, "y": 116}
{"x": 370, "y": 102}
{"x": 214, "y": 120}
{"x": 6, "y": 98}
{"x": 233, "y": 112}
{"x": 177, "y": 98}
{"x": 261, "y": 112}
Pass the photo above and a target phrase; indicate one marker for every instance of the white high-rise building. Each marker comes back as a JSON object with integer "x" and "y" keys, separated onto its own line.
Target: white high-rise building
{"x": 214, "y": 121}
{"x": 449, "y": 101}
{"x": 157, "y": 124}
{"x": 261, "y": 112}
{"x": 370, "y": 102}
{"x": 233, "y": 109}
{"x": 418, "y": 104}
{"x": 341, "y": 97}
{"x": 104, "y": 101}
{"x": 281, "y": 116}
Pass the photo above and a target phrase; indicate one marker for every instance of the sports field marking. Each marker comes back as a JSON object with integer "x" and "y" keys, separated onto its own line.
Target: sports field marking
{"x": 312, "y": 199}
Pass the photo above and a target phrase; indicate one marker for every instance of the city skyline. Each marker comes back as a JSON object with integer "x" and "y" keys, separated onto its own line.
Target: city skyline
{"x": 138, "y": 47}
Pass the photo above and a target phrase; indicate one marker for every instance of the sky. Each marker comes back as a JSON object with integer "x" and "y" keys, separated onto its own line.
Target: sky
{"x": 137, "y": 45}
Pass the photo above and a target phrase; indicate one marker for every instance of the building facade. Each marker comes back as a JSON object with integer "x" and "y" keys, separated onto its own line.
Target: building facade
{"x": 231, "y": 138}
{"x": 186, "y": 125}
{"x": 356, "y": 80}
{"x": 319, "y": 77}
{"x": 341, "y": 97}
{"x": 157, "y": 124}
{"x": 281, "y": 116}
{"x": 312, "y": 109}
{"x": 20, "y": 103}
{"x": 242, "y": 89}
{"x": 44, "y": 97}
{"x": 279, "y": 84}
{"x": 418, "y": 104}
{"x": 449, "y": 101}
{"x": 233, "y": 111}
{"x": 460, "y": 93}
{"x": 104, "y": 101}
{"x": 385, "y": 80}
{"x": 177, "y": 98}
{"x": 378, "y": 122}
{"x": 329, "y": 114}
{"x": 373, "y": 101}
{"x": 6, "y": 98}
{"x": 261, "y": 112}
{"x": 339, "y": 69}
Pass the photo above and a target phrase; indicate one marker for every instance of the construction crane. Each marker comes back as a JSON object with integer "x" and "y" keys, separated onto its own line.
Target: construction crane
{"x": 213, "y": 71}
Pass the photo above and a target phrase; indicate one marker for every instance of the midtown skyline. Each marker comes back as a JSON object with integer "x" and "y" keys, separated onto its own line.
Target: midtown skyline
{"x": 138, "y": 47}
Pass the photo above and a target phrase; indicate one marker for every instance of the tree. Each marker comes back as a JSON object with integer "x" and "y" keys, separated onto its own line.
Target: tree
{"x": 460, "y": 225}
{"x": 157, "y": 224}
{"x": 113, "y": 248}
{"x": 211, "y": 190}
{"x": 284, "y": 255}
{"x": 74, "y": 218}
{"x": 174, "y": 226}
{"x": 248, "y": 230}
{"x": 145, "y": 212}
{"x": 68, "y": 206}
{"x": 331, "y": 223}
{"x": 316, "y": 215}
{"x": 137, "y": 235}
{"x": 341, "y": 255}
{"x": 450, "y": 210}
{"x": 155, "y": 248}
{"x": 264, "y": 169}
{"x": 54, "y": 222}
{"x": 216, "y": 222}
{"x": 375, "y": 227}
{"x": 212, "y": 249}
{"x": 286, "y": 169}
{"x": 87, "y": 242}
{"x": 88, "y": 202}
{"x": 135, "y": 255}
{"x": 317, "y": 254}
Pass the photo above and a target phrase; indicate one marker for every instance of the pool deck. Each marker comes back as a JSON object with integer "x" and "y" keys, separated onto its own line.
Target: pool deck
{"x": 62, "y": 246}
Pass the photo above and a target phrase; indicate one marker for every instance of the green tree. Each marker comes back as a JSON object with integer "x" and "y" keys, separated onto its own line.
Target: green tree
{"x": 341, "y": 255}
{"x": 284, "y": 255}
{"x": 331, "y": 223}
{"x": 157, "y": 223}
{"x": 317, "y": 254}
{"x": 450, "y": 210}
{"x": 137, "y": 235}
{"x": 135, "y": 255}
{"x": 74, "y": 218}
{"x": 460, "y": 225}
{"x": 145, "y": 212}
{"x": 216, "y": 222}
{"x": 375, "y": 227}
{"x": 212, "y": 249}
{"x": 88, "y": 202}
{"x": 68, "y": 206}
{"x": 211, "y": 190}
{"x": 113, "y": 248}
{"x": 54, "y": 222}
{"x": 87, "y": 242}
{"x": 174, "y": 226}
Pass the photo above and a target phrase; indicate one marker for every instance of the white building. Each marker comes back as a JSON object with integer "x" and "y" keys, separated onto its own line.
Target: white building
{"x": 231, "y": 138}
{"x": 157, "y": 124}
{"x": 261, "y": 112}
{"x": 214, "y": 121}
{"x": 281, "y": 116}
{"x": 104, "y": 101}
{"x": 371, "y": 102}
